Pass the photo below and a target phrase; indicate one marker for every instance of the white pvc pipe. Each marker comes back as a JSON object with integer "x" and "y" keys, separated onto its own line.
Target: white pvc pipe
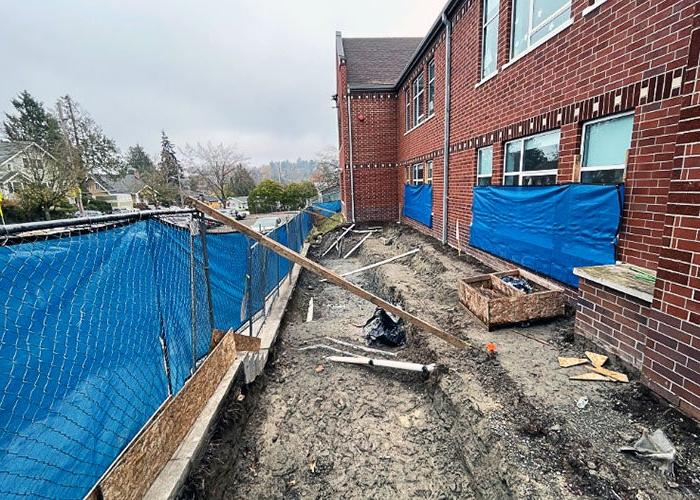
{"x": 384, "y": 363}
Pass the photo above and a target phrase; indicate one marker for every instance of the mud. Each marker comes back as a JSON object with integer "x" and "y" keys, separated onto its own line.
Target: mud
{"x": 485, "y": 427}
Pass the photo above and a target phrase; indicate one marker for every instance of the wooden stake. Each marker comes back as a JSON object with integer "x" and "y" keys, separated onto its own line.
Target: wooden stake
{"x": 336, "y": 242}
{"x": 354, "y": 249}
{"x": 310, "y": 311}
{"x": 326, "y": 273}
{"x": 372, "y": 266}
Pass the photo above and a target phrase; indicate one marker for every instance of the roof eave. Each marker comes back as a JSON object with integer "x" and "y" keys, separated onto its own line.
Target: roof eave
{"x": 373, "y": 87}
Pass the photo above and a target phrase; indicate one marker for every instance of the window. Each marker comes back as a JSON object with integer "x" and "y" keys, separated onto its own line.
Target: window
{"x": 408, "y": 110}
{"x": 604, "y": 149}
{"x": 407, "y": 174}
{"x": 431, "y": 88}
{"x": 532, "y": 161}
{"x": 429, "y": 175}
{"x": 533, "y": 20}
{"x": 417, "y": 174}
{"x": 489, "y": 35}
{"x": 484, "y": 166}
{"x": 418, "y": 101}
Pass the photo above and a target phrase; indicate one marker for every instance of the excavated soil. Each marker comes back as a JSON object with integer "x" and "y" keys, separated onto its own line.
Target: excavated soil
{"x": 485, "y": 426}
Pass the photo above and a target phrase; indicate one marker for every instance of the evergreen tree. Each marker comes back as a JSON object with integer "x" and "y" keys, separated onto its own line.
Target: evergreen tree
{"x": 169, "y": 165}
{"x": 31, "y": 122}
{"x": 137, "y": 160}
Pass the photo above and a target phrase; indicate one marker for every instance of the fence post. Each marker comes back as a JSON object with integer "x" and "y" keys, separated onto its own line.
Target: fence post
{"x": 161, "y": 335}
{"x": 193, "y": 295}
{"x": 205, "y": 255}
{"x": 249, "y": 286}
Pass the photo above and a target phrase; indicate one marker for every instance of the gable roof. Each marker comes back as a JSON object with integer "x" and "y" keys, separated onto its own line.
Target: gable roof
{"x": 376, "y": 63}
{"x": 9, "y": 150}
{"x": 127, "y": 184}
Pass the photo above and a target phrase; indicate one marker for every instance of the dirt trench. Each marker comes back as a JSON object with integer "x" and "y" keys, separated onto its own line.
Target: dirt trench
{"x": 487, "y": 427}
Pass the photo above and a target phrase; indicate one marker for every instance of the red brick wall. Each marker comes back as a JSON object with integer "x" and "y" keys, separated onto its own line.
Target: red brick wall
{"x": 672, "y": 356}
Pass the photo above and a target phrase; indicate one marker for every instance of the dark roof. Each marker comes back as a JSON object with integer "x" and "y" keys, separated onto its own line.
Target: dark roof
{"x": 375, "y": 63}
{"x": 123, "y": 185}
{"x": 10, "y": 149}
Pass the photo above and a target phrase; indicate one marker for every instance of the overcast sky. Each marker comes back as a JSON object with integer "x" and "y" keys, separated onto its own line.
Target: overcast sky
{"x": 255, "y": 73}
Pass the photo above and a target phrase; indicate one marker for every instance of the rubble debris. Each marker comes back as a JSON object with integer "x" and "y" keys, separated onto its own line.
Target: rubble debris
{"x": 385, "y": 363}
{"x": 354, "y": 249}
{"x": 491, "y": 348}
{"x": 518, "y": 283}
{"x": 569, "y": 362}
{"x": 381, "y": 328}
{"x": 582, "y": 403}
{"x": 657, "y": 447}
{"x": 597, "y": 359}
{"x": 362, "y": 348}
{"x": 310, "y": 311}
{"x": 591, "y": 377}
{"x": 336, "y": 242}
{"x": 320, "y": 368}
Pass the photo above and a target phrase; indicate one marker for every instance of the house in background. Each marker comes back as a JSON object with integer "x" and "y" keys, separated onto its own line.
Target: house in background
{"x": 14, "y": 158}
{"x": 124, "y": 193}
{"x": 501, "y": 101}
{"x": 238, "y": 203}
{"x": 330, "y": 193}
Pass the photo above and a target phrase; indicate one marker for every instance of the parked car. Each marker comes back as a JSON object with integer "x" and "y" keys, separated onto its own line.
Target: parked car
{"x": 88, "y": 213}
{"x": 267, "y": 224}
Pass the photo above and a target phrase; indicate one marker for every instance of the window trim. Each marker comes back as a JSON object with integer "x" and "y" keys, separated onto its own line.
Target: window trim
{"x": 532, "y": 173}
{"x": 592, "y": 7}
{"x": 431, "y": 84}
{"x": 415, "y": 180}
{"x": 623, "y": 167}
{"x": 417, "y": 96}
{"x": 478, "y": 164}
{"x": 409, "y": 114}
{"x": 428, "y": 173}
{"x": 540, "y": 42}
{"x": 484, "y": 24}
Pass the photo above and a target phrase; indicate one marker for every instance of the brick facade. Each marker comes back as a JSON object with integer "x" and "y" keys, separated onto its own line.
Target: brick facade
{"x": 638, "y": 57}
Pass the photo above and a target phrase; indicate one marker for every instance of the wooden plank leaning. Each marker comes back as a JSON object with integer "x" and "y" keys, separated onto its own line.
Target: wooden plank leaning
{"x": 327, "y": 274}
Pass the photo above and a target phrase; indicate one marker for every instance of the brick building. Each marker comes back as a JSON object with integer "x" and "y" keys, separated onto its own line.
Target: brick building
{"x": 596, "y": 91}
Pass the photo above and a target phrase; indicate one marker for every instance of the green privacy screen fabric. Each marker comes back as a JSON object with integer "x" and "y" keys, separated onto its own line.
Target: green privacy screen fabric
{"x": 549, "y": 229}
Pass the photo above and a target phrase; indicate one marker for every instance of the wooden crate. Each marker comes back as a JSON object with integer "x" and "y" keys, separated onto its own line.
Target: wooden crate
{"x": 497, "y": 303}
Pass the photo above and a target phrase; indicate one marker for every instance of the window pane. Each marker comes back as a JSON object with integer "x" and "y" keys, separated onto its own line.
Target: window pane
{"x": 521, "y": 21}
{"x": 484, "y": 181}
{"x": 550, "y": 26}
{"x": 513, "y": 156}
{"x": 490, "y": 9}
{"x": 510, "y": 180}
{"x": 543, "y": 9}
{"x": 488, "y": 59}
{"x": 485, "y": 163}
{"x": 539, "y": 180}
{"x": 603, "y": 176}
{"x": 606, "y": 143}
{"x": 541, "y": 153}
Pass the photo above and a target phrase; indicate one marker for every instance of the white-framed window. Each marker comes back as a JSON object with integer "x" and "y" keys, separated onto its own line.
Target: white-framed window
{"x": 484, "y": 166}
{"x": 429, "y": 172}
{"x": 418, "y": 174}
{"x": 604, "y": 148}
{"x": 408, "y": 109}
{"x": 535, "y": 19}
{"x": 532, "y": 161}
{"x": 418, "y": 100}
{"x": 431, "y": 88}
{"x": 489, "y": 39}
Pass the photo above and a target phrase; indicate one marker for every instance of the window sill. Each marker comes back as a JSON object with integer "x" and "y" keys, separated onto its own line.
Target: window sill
{"x": 486, "y": 79}
{"x": 534, "y": 47}
{"x": 420, "y": 124}
{"x": 593, "y": 8}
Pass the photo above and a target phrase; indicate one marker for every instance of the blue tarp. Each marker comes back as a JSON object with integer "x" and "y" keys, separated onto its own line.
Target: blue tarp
{"x": 328, "y": 206}
{"x": 418, "y": 203}
{"x": 549, "y": 229}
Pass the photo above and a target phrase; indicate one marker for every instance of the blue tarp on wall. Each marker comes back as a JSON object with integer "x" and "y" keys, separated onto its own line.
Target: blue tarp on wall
{"x": 418, "y": 203}
{"x": 549, "y": 229}
{"x": 328, "y": 206}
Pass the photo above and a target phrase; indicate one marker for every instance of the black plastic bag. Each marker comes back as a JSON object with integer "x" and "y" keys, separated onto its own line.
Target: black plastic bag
{"x": 380, "y": 328}
{"x": 518, "y": 283}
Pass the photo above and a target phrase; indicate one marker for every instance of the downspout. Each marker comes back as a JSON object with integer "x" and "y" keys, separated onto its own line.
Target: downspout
{"x": 352, "y": 176}
{"x": 448, "y": 91}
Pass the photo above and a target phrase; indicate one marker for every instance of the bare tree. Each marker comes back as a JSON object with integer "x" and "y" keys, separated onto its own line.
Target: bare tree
{"x": 327, "y": 173}
{"x": 215, "y": 165}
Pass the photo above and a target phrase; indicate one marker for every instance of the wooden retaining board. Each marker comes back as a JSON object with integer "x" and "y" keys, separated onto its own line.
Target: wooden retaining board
{"x": 497, "y": 303}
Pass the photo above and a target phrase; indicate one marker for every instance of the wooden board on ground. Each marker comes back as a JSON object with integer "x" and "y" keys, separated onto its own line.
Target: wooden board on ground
{"x": 497, "y": 304}
{"x": 619, "y": 377}
{"x": 597, "y": 359}
{"x": 569, "y": 362}
{"x": 591, "y": 377}
{"x": 245, "y": 343}
{"x": 327, "y": 274}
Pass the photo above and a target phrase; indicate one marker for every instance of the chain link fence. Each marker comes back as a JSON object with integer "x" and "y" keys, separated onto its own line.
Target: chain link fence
{"x": 102, "y": 322}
